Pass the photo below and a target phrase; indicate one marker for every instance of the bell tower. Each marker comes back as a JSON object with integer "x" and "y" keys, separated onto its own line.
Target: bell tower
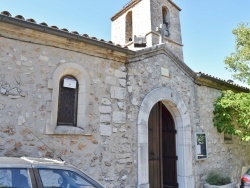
{"x": 145, "y": 23}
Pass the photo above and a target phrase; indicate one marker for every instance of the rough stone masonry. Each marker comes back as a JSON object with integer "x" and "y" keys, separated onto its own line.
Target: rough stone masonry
{"x": 118, "y": 88}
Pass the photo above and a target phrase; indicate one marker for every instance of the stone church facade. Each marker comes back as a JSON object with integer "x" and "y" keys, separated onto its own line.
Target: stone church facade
{"x": 115, "y": 111}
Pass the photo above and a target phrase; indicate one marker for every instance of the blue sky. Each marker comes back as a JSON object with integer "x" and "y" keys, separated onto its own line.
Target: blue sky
{"x": 206, "y": 25}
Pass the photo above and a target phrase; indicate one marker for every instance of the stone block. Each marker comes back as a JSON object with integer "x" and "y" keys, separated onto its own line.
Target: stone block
{"x": 13, "y": 96}
{"x": 23, "y": 58}
{"x": 105, "y": 109}
{"x": 120, "y": 74}
{"x": 21, "y": 120}
{"x": 105, "y": 118}
{"x": 127, "y": 160}
{"x": 3, "y": 91}
{"x": 62, "y": 61}
{"x": 106, "y": 101}
{"x": 105, "y": 130}
{"x": 122, "y": 129}
{"x": 13, "y": 92}
{"x": 119, "y": 117}
{"x": 117, "y": 92}
{"x": 44, "y": 58}
{"x": 124, "y": 177}
{"x": 134, "y": 101}
{"x": 69, "y": 130}
{"x": 123, "y": 68}
{"x": 27, "y": 63}
{"x": 130, "y": 89}
{"x": 111, "y": 80}
{"x": 124, "y": 155}
{"x": 122, "y": 82}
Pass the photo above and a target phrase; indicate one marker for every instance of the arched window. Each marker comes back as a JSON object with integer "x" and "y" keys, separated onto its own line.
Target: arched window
{"x": 79, "y": 121}
{"x": 67, "y": 101}
{"x": 129, "y": 26}
{"x": 165, "y": 20}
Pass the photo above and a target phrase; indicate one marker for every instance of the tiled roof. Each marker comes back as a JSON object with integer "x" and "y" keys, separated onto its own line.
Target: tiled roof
{"x": 229, "y": 82}
{"x": 53, "y": 27}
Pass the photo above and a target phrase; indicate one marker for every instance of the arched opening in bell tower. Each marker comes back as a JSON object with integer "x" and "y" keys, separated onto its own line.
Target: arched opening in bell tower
{"x": 165, "y": 20}
{"x": 129, "y": 27}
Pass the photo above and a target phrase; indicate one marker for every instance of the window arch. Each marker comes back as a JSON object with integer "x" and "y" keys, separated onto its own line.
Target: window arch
{"x": 129, "y": 27}
{"x": 67, "y": 101}
{"x": 165, "y": 20}
{"x": 77, "y": 72}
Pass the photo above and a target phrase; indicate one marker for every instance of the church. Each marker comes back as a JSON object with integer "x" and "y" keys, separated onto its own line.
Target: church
{"x": 129, "y": 112}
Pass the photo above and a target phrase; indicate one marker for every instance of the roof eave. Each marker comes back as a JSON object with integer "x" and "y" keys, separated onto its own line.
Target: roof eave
{"x": 61, "y": 33}
{"x": 209, "y": 81}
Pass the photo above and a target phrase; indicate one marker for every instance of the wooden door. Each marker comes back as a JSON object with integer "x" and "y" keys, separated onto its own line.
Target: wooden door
{"x": 154, "y": 147}
{"x": 162, "y": 148}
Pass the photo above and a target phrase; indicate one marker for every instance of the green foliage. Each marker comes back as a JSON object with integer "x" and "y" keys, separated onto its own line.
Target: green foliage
{"x": 232, "y": 114}
{"x": 238, "y": 62}
{"x": 214, "y": 178}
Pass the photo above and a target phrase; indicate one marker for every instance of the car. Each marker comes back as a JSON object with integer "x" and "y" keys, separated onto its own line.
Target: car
{"x": 27, "y": 172}
{"x": 245, "y": 180}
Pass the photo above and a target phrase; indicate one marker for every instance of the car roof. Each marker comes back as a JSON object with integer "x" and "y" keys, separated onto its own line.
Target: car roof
{"x": 31, "y": 161}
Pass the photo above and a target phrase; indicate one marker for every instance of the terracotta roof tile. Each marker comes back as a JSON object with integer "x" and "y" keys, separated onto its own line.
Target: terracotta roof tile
{"x": 6, "y": 13}
{"x": 231, "y": 82}
{"x": 44, "y": 24}
{"x": 64, "y": 29}
{"x": 54, "y": 27}
{"x": 20, "y": 17}
{"x": 74, "y": 32}
{"x": 31, "y": 20}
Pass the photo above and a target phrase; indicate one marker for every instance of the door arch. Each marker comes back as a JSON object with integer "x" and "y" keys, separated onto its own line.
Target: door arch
{"x": 162, "y": 148}
{"x": 174, "y": 103}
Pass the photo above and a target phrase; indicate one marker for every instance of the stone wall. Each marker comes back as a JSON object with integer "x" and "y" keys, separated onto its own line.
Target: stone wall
{"x": 145, "y": 75}
{"x": 225, "y": 157}
{"x": 107, "y": 151}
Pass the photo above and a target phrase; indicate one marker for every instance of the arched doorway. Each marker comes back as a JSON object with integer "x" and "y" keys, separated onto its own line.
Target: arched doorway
{"x": 174, "y": 103}
{"x": 162, "y": 148}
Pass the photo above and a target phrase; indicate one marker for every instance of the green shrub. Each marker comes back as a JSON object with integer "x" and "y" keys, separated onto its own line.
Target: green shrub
{"x": 215, "y": 178}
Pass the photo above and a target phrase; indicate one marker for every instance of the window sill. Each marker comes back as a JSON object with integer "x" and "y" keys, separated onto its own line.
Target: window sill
{"x": 69, "y": 130}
